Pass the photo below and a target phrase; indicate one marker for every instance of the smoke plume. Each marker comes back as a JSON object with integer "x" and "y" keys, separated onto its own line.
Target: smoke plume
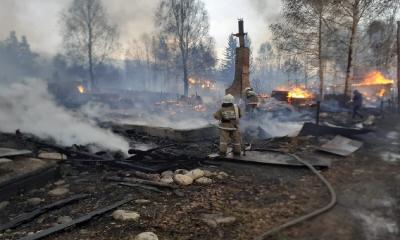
{"x": 28, "y": 106}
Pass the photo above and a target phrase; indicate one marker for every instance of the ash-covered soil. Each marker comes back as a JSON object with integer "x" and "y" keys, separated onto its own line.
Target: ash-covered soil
{"x": 258, "y": 197}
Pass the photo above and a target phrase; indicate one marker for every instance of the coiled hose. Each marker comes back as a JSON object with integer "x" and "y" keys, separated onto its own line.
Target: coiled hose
{"x": 307, "y": 216}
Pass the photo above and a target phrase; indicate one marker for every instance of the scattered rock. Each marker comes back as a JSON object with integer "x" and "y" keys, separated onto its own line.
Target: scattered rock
{"x": 213, "y": 220}
{"x": 125, "y": 215}
{"x": 292, "y": 197}
{"x": 183, "y": 180}
{"x": 142, "y": 201}
{"x": 52, "y": 156}
{"x": 222, "y": 175}
{"x": 59, "y": 191}
{"x": 204, "y": 180}
{"x": 34, "y": 201}
{"x": 181, "y": 171}
{"x": 146, "y": 236}
{"x": 195, "y": 174}
{"x": 208, "y": 173}
{"x": 167, "y": 174}
{"x": 4, "y": 204}
{"x": 59, "y": 182}
{"x": 167, "y": 179}
{"x": 64, "y": 219}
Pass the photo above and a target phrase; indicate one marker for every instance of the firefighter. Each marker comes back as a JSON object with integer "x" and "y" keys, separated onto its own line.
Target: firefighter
{"x": 229, "y": 115}
{"x": 251, "y": 101}
{"x": 357, "y": 104}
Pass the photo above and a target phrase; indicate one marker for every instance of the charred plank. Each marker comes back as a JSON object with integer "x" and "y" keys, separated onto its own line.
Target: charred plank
{"x": 141, "y": 181}
{"x": 76, "y": 222}
{"x": 24, "y": 218}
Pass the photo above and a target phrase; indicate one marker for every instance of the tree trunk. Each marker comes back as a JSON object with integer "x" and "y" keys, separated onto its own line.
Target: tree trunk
{"x": 347, "y": 83}
{"x": 92, "y": 86}
{"x": 185, "y": 78}
{"x": 320, "y": 70}
{"x": 398, "y": 66}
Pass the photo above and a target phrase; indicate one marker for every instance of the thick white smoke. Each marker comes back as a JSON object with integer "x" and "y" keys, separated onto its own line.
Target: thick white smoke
{"x": 28, "y": 106}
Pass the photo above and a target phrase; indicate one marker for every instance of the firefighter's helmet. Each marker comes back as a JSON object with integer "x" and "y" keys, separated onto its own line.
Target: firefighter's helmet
{"x": 228, "y": 99}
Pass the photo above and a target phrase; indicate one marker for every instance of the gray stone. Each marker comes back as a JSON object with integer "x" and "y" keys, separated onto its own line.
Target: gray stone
{"x": 167, "y": 174}
{"x": 167, "y": 179}
{"x": 204, "y": 180}
{"x": 146, "y": 236}
{"x": 181, "y": 171}
{"x": 34, "y": 201}
{"x": 59, "y": 191}
{"x": 222, "y": 175}
{"x": 125, "y": 215}
{"x": 64, "y": 219}
{"x": 209, "y": 173}
{"x": 4, "y": 204}
{"x": 183, "y": 180}
{"x": 195, "y": 174}
{"x": 213, "y": 220}
{"x": 59, "y": 182}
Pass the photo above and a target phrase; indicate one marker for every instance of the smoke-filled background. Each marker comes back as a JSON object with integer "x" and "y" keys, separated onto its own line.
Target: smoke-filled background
{"x": 134, "y": 69}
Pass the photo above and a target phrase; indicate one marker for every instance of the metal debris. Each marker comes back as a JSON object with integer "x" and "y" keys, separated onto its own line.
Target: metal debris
{"x": 341, "y": 146}
{"x": 271, "y": 158}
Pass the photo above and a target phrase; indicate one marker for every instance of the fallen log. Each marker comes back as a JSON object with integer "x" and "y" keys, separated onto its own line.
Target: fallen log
{"x": 24, "y": 218}
{"x": 141, "y": 181}
{"x": 76, "y": 222}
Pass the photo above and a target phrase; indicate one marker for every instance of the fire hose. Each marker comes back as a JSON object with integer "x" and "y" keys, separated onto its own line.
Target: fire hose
{"x": 309, "y": 215}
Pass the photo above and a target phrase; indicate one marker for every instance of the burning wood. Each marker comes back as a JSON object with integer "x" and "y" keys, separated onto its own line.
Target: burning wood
{"x": 293, "y": 95}
{"x": 374, "y": 86}
{"x": 203, "y": 84}
{"x": 81, "y": 89}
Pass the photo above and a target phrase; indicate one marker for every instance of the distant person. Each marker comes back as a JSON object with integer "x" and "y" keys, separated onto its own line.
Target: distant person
{"x": 357, "y": 104}
{"x": 229, "y": 115}
{"x": 251, "y": 101}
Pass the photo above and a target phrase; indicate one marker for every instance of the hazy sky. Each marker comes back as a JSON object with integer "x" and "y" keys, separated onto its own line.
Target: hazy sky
{"x": 39, "y": 19}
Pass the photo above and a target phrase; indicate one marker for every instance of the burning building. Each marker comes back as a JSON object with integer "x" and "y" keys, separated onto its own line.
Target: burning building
{"x": 374, "y": 86}
{"x": 294, "y": 95}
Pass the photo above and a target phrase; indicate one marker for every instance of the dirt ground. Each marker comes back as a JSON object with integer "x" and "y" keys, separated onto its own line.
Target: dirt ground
{"x": 259, "y": 197}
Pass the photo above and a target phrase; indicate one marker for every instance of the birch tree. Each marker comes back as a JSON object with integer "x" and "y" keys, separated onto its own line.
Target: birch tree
{"x": 89, "y": 36}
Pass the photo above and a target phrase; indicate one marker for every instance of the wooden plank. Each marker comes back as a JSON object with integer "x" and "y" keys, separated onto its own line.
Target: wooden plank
{"x": 26, "y": 217}
{"x": 272, "y": 158}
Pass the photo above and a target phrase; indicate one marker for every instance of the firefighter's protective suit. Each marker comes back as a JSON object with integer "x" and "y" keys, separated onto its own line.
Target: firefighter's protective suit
{"x": 229, "y": 115}
{"x": 251, "y": 102}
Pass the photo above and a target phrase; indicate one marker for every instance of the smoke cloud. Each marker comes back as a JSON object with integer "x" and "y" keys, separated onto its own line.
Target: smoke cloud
{"x": 28, "y": 106}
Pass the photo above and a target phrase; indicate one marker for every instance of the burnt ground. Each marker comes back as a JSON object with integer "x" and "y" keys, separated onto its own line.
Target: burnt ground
{"x": 258, "y": 196}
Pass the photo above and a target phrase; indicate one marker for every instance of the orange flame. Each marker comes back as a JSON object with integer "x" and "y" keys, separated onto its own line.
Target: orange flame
{"x": 375, "y": 78}
{"x": 81, "y": 89}
{"x": 298, "y": 92}
{"x": 381, "y": 93}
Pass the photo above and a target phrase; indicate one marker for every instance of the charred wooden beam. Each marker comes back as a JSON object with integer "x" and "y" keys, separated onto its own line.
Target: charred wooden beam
{"x": 136, "y": 185}
{"x": 24, "y": 218}
{"x": 76, "y": 222}
{"x": 141, "y": 181}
